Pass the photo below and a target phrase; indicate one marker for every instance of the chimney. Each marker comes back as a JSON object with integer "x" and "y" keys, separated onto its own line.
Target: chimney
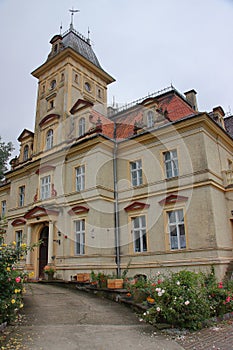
{"x": 191, "y": 98}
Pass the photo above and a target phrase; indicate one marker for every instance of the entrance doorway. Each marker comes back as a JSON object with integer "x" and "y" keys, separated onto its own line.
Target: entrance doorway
{"x": 43, "y": 253}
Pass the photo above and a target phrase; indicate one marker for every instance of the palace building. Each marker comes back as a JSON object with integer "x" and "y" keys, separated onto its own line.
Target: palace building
{"x": 148, "y": 185}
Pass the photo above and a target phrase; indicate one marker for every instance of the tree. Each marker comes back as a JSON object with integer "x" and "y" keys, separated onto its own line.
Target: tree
{"x": 5, "y": 153}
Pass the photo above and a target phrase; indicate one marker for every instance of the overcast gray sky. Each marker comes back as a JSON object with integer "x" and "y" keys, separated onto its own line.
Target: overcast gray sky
{"x": 145, "y": 45}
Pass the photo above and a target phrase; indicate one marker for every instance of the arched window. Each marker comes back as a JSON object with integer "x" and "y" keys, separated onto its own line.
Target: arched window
{"x": 25, "y": 153}
{"x": 49, "y": 139}
{"x": 150, "y": 119}
{"x": 81, "y": 127}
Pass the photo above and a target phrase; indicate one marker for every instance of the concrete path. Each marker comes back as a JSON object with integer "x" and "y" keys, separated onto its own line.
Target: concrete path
{"x": 62, "y": 319}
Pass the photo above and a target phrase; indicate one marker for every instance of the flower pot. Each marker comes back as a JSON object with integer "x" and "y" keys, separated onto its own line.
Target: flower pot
{"x": 49, "y": 276}
{"x": 115, "y": 283}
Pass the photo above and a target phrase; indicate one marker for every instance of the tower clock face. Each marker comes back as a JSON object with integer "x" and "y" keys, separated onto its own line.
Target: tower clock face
{"x": 87, "y": 87}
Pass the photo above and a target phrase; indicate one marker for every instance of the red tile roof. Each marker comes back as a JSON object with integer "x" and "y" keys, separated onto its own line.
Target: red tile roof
{"x": 176, "y": 107}
{"x": 171, "y": 106}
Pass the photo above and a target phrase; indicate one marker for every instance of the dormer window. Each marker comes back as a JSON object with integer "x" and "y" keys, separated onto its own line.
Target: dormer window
{"x": 150, "y": 119}
{"x": 25, "y": 153}
{"x": 49, "y": 139}
{"x": 55, "y": 48}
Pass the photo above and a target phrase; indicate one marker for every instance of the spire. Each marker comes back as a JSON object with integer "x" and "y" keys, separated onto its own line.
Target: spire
{"x": 72, "y": 17}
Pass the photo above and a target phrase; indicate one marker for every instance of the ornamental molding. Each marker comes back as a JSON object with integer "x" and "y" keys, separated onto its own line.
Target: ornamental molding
{"x": 45, "y": 169}
{"x": 173, "y": 199}
{"x": 38, "y": 212}
{"x": 136, "y": 206}
{"x": 18, "y": 222}
{"x": 78, "y": 209}
{"x": 49, "y": 118}
{"x": 79, "y": 105}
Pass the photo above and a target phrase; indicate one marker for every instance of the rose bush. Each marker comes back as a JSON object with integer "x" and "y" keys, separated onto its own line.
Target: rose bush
{"x": 11, "y": 280}
{"x": 185, "y": 299}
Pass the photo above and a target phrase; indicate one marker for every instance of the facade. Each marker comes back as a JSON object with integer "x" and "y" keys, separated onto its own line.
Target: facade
{"x": 149, "y": 185}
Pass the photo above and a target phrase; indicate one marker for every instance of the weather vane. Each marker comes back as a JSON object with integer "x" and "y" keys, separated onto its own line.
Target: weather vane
{"x": 72, "y": 15}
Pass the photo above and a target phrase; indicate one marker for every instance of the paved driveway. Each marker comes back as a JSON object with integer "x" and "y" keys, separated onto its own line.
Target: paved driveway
{"x": 63, "y": 319}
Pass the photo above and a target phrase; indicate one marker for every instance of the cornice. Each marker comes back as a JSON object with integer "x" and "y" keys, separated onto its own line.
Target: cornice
{"x": 68, "y": 52}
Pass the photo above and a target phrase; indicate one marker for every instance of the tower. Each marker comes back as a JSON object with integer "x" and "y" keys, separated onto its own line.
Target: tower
{"x": 71, "y": 75}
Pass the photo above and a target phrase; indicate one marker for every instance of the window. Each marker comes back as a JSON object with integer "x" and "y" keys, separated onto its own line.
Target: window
{"x": 87, "y": 87}
{"x": 139, "y": 233}
{"x": 81, "y": 127}
{"x": 19, "y": 238}
{"x": 25, "y": 153}
{"x": 80, "y": 178}
{"x": 50, "y": 104}
{"x": 150, "y": 119}
{"x": 49, "y": 139}
{"x": 176, "y": 229}
{"x": 21, "y": 195}
{"x": 80, "y": 237}
{"x": 99, "y": 93}
{"x": 3, "y": 209}
{"x": 53, "y": 84}
{"x": 171, "y": 163}
{"x": 45, "y": 187}
{"x": 136, "y": 172}
{"x": 76, "y": 78}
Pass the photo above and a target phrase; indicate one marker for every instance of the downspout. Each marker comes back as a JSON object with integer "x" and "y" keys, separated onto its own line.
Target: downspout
{"x": 116, "y": 207}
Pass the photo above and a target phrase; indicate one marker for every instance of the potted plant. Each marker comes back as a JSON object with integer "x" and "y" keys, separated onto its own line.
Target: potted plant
{"x": 49, "y": 271}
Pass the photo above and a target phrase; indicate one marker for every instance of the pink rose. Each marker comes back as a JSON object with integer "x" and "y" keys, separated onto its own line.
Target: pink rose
{"x": 18, "y": 279}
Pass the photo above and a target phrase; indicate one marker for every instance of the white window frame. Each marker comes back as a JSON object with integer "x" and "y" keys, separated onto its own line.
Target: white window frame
{"x": 21, "y": 196}
{"x": 139, "y": 233}
{"x": 45, "y": 187}
{"x": 81, "y": 126}
{"x": 80, "y": 178}
{"x": 3, "y": 208}
{"x": 176, "y": 229}
{"x": 19, "y": 238}
{"x": 136, "y": 172}
{"x": 79, "y": 228}
{"x": 171, "y": 163}
{"x": 49, "y": 139}
{"x": 25, "y": 153}
{"x": 150, "y": 119}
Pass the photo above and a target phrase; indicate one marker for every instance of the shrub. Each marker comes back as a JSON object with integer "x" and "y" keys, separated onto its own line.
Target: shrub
{"x": 180, "y": 300}
{"x": 11, "y": 280}
{"x": 187, "y": 299}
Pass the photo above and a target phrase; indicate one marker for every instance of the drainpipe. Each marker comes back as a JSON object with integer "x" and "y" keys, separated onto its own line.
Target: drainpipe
{"x": 116, "y": 207}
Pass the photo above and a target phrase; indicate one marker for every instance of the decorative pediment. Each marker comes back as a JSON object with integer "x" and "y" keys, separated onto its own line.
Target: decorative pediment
{"x": 49, "y": 118}
{"x": 25, "y": 134}
{"x": 173, "y": 199}
{"x": 38, "y": 212}
{"x": 136, "y": 206}
{"x": 78, "y": 209}
{"x": 79, "y": 105}
{"x": 18, "y": 222}
{"x": 44, "y": 169}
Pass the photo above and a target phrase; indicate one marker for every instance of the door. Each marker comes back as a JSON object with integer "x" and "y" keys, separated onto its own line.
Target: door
{"x": 43, "y": 253}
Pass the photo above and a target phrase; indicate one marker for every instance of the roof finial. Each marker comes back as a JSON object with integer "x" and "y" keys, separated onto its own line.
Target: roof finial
{"x": 72, "y": 17}
{"x": 60, "y": 28}
{"x": 88, "y": 35}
